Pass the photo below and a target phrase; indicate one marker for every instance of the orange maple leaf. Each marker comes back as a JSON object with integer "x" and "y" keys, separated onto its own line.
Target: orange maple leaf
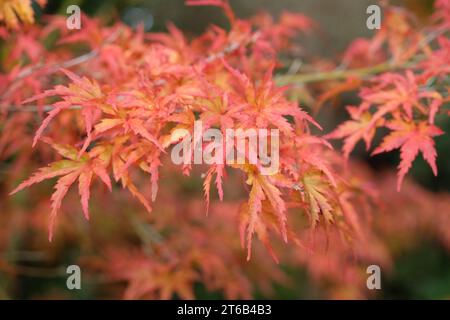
{"x": 69, "y": 170}
{"x": 11, "y": 11}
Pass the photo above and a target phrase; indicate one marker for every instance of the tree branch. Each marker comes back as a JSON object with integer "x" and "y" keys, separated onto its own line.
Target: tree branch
{"x": 339, "y": 74}
{"x": 34, "y": 108}
{"x": 361, "y": 72}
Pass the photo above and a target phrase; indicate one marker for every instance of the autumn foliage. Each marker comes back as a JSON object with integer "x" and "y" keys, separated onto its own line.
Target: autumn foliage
{"x": 97, "y": 109}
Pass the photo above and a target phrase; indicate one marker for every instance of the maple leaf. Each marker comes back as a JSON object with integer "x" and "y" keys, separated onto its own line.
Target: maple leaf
{"x": 147, "y": 158}
{"x": 395, "y": 93}
{"x": 291, "y": 22}
{"x": 360, "y": 54}
{"x": 147, "y": 86}
{"x": 120, "y": 164}
{"x": 13, "y": 10}
{"x": 278, "y": 36}
{"x": 149, "y": 278}
{"x": 410, "y": 138}
{"x": 81, "y": 92}
{"x": 262, "y": 189}
{"x": 442, "y": 13}
{"x": 437, "y": 63}
{"x": 268, "y": 105}
{"x": 354, "y": 130}
{"x": 71, "y": 169}
{"x": 310, "y": 151}
{"x": 397, "y": 34}
{"x": 219, "y": 108}
{"x": 317, "y": 195}
{"x": 259, "y": 216}
{"x": 256, "y": 197}
{"x": 134, "y": 115}
{"x": 29, "y": 44}
{"x": 219, "y": 171}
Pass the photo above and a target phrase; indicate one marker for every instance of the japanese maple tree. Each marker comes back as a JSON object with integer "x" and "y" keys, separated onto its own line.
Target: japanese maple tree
{"x": 110, "y": 100}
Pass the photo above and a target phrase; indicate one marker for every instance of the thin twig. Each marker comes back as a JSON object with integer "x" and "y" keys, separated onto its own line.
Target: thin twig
{"x": 280, "y": 80}
{"x": 85, "y": 57}
{"x": 339, "y": 74}
{"x": 34, "y": 108}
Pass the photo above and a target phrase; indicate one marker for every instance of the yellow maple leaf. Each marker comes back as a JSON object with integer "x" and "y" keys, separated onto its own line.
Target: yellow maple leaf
{"x": 11, "y": 11}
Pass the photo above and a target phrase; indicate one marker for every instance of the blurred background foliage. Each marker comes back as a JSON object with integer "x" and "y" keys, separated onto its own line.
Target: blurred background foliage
{"x": 421, "y": 273}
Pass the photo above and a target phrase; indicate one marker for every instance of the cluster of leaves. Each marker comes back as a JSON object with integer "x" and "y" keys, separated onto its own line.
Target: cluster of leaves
{"x": 146, "y": 86}
{"x": 115, "y": 110}
{"x": 134, "y": 255}
{"x": 406, "y": 103}
{"x": 12, "y": 12}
